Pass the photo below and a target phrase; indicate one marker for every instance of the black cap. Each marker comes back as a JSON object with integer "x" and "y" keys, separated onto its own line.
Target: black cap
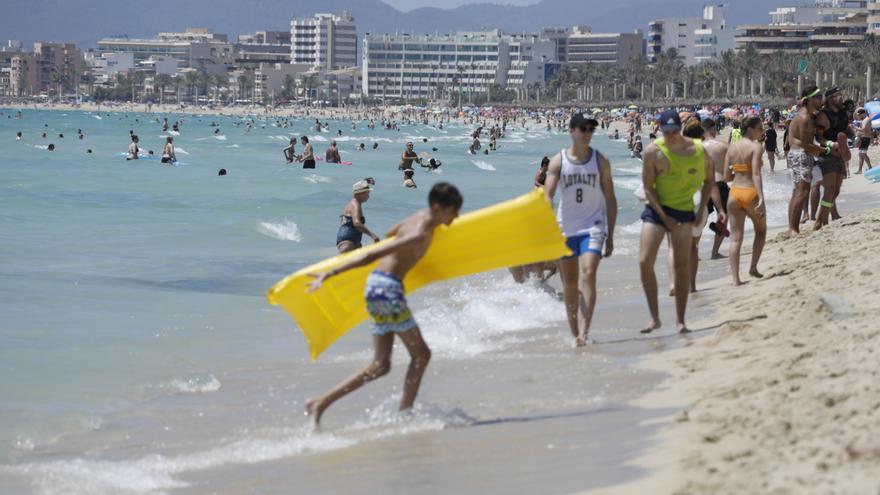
{"x": 670, "y": 121}
{"x": 832, "y": 91}
{"x": 582, "y": 119}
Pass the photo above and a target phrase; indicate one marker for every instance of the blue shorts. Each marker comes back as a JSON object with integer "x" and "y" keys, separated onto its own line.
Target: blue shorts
{"x": 650, "y": 216}
{"x": 386, "y": 304}
{"x": 583, "y": 244}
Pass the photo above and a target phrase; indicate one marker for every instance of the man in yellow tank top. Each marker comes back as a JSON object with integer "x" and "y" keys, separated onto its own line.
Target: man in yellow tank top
{"x": 674, "y": 168}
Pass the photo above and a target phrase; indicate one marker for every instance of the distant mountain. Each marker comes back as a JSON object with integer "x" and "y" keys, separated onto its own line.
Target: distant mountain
{"x": 86, "y": 21}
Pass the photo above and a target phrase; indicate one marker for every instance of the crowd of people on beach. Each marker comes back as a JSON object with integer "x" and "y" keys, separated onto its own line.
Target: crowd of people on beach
{"x": 688, "y": 173}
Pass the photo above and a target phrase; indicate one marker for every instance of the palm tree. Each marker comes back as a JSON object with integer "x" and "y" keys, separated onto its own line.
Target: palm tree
{"x": 242, "y": 85}
{"x": 220, "y": 81}
{"x": 89, "y": 81}
{"x": 192, "y": 78}
{"x": 162, "y": 81}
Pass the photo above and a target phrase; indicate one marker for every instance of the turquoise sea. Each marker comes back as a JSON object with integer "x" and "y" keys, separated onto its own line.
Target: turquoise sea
{"x": 138, "y": 353}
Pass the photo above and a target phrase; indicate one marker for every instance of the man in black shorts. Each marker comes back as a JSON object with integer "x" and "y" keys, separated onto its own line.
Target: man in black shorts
{"x": 308, "y": 156}
{"x": 864, "y": 138}
{"x": 770, "y": 144}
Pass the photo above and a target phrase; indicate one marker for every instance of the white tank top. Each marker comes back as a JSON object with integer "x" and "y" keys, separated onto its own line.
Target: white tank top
{"x": 581, "y": 201}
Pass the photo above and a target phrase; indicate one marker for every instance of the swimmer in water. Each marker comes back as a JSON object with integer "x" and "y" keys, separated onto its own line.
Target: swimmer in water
{"x": 133, "y": 148}
{"x": 168, "y": 155}
{"x": 408, "y": 181}
{"x": 290, "y": 150}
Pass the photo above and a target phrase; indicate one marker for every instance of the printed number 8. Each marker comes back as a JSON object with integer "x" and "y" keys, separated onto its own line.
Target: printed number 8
{"x": 579, "y": 195}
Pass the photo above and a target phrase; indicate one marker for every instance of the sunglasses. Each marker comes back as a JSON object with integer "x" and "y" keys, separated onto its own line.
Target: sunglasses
{"x": 587, "y": 128}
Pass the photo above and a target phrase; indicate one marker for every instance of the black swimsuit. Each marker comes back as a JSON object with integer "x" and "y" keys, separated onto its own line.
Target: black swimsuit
{"x": 348, "y": 232}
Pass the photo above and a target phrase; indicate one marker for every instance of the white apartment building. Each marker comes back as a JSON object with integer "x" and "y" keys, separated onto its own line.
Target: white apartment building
{"x": 874, "y": 18}
{"x": 326, "y": 41}
{"x": 194, "y": 48}
{"x": 105, "y": 66}
{"x": 696, "y": 39}
{"x": 584, "y": 46}
{"x": 430, "y": 67}
{"x": 269, "y": 78}
{"x": 824, "y": 26}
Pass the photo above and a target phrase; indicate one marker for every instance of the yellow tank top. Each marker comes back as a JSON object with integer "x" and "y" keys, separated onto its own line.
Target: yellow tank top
{"x": 735, "y": 135}
{"x": 685, "y": 177}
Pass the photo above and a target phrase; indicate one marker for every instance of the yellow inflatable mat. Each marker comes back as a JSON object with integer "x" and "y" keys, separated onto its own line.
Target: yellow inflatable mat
{"x": 516, "y": 232}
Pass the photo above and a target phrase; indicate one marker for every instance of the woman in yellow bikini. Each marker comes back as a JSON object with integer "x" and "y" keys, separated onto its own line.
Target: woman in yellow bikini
{"x": 743, "y": 168}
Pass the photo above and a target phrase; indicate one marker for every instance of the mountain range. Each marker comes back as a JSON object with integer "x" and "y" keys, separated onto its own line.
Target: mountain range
{"x": 86, "y": 21}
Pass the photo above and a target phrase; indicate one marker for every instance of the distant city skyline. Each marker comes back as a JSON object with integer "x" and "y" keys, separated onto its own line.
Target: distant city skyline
{"x": 408, "y": 5}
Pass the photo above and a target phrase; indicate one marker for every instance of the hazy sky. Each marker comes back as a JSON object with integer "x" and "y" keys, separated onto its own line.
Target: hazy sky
{"x": 449, "y": 4}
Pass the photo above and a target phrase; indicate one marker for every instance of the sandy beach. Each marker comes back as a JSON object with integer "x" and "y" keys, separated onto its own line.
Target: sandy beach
{"x": 784, "y": 397}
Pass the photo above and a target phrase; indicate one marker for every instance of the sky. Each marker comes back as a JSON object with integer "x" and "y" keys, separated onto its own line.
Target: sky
{"x": 407, "y": 5}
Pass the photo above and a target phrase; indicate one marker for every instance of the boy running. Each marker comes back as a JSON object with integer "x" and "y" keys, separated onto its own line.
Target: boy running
{"x": 386, "y": 300}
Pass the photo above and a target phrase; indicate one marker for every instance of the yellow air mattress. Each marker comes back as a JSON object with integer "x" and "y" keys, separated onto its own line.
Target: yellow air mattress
{"x": 516, "y": 232}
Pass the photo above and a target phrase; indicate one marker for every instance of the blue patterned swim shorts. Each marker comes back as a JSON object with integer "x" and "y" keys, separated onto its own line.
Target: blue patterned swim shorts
{"x": 386, "y": 303}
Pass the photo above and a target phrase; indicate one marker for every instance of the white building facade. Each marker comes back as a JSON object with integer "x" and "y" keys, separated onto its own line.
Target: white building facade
{"x": 584, "y": 46}
{"x": 697, "y": 40}
{"x": 326, "y": 41}
{"x": 432, "y": 67}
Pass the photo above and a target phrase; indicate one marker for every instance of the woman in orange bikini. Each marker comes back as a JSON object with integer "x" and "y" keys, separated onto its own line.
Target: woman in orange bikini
{"x": 743, "y": 168}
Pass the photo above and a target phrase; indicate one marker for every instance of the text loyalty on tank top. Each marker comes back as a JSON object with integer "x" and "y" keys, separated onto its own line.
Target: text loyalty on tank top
{"x": 581, "y": 201}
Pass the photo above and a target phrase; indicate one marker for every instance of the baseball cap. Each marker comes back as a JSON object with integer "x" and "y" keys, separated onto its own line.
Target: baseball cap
{"x": 361, "y": 186}
{"x": 670, "y": 121}
{"x": 832, "y": 91}
{"x": 581, "y": 120}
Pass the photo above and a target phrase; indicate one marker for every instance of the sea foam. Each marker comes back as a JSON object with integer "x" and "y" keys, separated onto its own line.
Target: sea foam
{"x": 284, "y": 231}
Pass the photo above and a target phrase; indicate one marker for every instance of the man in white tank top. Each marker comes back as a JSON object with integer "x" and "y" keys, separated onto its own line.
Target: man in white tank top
{"x": 587, "y": 214}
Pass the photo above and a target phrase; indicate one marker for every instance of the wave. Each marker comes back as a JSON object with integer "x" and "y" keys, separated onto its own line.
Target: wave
{"x": 314, "y": 179}
{"x": 220, "y": 137}
{"x": 157, "y": 473}
{"x": 628, "y": 183}
{"x": 196, "y": 384}
{"x": 284, "y": 231}
{"x": 483, "y": 165}
{"x": 484, "y": 314}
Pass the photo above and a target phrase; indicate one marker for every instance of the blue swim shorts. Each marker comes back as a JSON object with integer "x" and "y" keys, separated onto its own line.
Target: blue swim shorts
{"x": 583, "y": 244}
{"x": 386, "y": 304}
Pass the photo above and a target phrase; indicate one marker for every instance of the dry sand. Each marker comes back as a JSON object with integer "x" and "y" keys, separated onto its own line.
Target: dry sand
{"x": 784, "y": 398}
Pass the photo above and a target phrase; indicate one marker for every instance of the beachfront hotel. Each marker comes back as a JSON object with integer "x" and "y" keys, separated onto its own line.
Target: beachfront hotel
{"x": 874, "y": 18}
{"x": 580, "y": 45}
{"x": 407, "y": 67}
{"x": 326, "y": 41}
{"x": 194, "y": 48}
{"x": 696, "y": 39}
{"x": 825, "y": 26}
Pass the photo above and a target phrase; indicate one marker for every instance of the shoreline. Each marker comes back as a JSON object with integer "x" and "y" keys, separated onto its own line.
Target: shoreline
{"x": 776, "y": 401}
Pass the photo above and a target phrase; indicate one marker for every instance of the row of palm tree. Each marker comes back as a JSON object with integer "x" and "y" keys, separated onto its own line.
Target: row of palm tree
{"x": 192, "y": 85}
{"x": 736, "y": 76}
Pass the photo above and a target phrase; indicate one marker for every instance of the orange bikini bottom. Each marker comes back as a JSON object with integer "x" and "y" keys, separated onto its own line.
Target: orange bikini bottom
{"x": 745, "y": 196}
